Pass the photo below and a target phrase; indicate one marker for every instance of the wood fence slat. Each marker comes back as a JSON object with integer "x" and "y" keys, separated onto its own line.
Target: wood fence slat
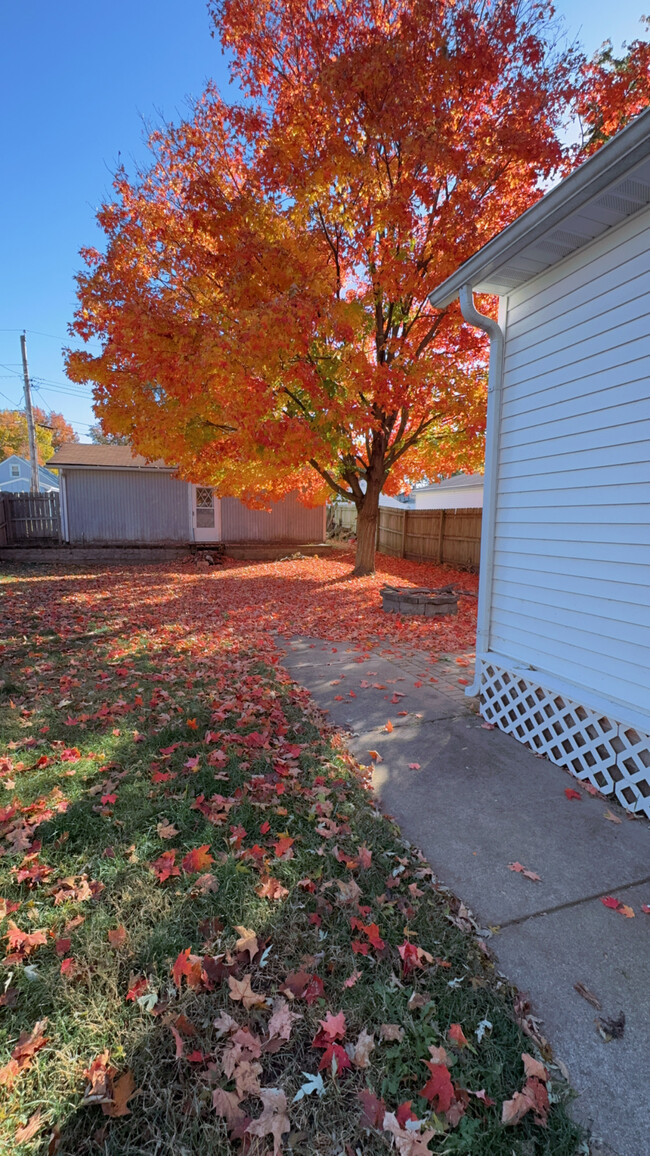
{"x": 452, "y": 537}
{"x": 32, "y": 518}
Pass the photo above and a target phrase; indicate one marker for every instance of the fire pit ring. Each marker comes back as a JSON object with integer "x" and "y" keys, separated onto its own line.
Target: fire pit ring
{"x": 428, "y": 601}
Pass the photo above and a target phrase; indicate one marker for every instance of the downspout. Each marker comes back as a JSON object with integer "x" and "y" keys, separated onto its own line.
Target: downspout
{"x": 495, "y": 377}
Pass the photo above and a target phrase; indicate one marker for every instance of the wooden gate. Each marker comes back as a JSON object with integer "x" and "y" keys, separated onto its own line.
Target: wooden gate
{"x": 32, "y": 518}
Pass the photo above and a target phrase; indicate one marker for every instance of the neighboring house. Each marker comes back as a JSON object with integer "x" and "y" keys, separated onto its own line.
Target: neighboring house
{"x": 16, "y": 477}
{"x": 109, "y": 495}
{"x": 563, "y": 641}
{"x": 462, "y": 492}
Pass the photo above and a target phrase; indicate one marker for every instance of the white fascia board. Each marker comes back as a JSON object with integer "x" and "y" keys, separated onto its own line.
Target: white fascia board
{"x": 612, "y": 162}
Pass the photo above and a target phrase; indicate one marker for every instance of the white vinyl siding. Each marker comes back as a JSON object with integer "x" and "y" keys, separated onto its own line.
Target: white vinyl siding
{"x": 571, "y": 585}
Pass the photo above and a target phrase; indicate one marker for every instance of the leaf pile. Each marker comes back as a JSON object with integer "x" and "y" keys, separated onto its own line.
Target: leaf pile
{"x": 213, "y": 940}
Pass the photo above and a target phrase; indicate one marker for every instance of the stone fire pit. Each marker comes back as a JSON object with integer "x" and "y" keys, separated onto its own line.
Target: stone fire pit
{"x": 429, "y": 601}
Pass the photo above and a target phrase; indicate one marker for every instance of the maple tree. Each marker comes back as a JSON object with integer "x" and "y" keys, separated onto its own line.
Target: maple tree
{"x": 52, "y": 431}
{"x": 614, "y": 90}
{"x": 261, "y": 302}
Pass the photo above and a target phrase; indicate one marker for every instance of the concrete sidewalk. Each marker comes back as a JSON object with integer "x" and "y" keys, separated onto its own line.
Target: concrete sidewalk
{"x": 478, "y": 801}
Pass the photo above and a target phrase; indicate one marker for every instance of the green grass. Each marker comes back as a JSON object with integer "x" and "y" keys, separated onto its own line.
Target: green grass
{"x": 85, "y": 659}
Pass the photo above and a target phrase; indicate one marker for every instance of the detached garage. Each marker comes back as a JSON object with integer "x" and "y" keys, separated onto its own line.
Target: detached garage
{"x": 563, "y": 644}
{"x": 110, "y": 496}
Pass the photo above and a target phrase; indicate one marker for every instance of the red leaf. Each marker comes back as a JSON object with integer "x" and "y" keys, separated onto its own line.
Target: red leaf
{"x": 199, "y": 859}
{"x": 571, "y": 794}
{"x": 438, "y": 1090}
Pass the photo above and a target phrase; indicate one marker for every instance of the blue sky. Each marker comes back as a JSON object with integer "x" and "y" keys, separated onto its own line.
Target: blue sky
{"x": 79, "y": 82}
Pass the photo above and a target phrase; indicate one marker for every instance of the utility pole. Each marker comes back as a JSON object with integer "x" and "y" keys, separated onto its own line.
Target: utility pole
{"x": 33, "y": 455}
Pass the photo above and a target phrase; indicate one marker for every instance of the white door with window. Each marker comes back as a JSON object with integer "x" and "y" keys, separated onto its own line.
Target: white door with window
{"x": 206, "y": 515}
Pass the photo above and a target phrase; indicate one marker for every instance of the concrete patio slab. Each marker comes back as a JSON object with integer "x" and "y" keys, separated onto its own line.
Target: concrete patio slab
{"x": 478, "y": 800}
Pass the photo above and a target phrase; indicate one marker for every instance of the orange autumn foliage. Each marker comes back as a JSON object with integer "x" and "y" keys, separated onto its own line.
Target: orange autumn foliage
{"x": 261, "y": 303}
{"x": 614, "y": 90}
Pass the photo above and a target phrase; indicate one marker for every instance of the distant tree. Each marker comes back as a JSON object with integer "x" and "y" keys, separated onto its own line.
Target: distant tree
{"x": 52, "y": 431}
{"x": 615, "y": 90}
{"x": 100, "y": 438}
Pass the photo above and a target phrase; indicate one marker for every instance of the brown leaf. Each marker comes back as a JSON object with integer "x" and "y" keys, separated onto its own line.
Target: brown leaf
{"x": 247, "y": 941}
{"x": 117, "y": 937}
{"x": 391, "y": 1032}
{"x": 282, "y": 1020}
{"x": 350, "y": 890}
{"x": 407, "y": 1142}
{"x": 240, "y": 989}
{"x": 226, "y": 1104}
{"x": 359, "y": 1053}
{"x": 588, "y": 995}
{"x": 611, "y": 817}
{"x": 123, "y": 1090}
{"x": 524, "y": 871}
{"x": 247, "y": 1082}
{"x": 166, "y": 830}
{"x": 29, "y": 1130}
{"x": 274, "y": 1120}
{"x": 532, "y": 1067}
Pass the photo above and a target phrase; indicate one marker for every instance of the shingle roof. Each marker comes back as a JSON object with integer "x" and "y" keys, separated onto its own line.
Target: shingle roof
{"x": 103, "y": 457}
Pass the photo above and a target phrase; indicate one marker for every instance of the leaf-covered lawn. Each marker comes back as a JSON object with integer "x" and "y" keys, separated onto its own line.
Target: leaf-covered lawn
{"x": 213, "y": 941}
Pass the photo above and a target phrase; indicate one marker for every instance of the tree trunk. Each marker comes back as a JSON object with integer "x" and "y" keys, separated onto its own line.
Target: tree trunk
{"x": 367, "y": 518}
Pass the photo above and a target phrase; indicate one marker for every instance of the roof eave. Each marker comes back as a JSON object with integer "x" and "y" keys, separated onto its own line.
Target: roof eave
{"x": 589, "y": 180}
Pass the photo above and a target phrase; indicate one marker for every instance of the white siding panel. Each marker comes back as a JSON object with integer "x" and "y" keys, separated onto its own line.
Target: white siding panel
{"x": 561, "y": 288}
{"x": 571, "y": 584}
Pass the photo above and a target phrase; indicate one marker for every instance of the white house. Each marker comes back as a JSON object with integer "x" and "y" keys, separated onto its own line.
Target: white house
{"x": 462, "y": 492}
{"x": 563, "y": 642}
{"x": 16, "y": 477}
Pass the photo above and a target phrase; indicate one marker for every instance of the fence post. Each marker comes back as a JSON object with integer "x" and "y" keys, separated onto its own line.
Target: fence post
{"x": 441, "y": 536}
{"x": 402, "y": 550}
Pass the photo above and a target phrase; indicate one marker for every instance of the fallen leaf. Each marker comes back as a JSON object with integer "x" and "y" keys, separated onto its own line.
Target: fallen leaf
{"x": 524, "y": 871}
{"x": 313, "y": 1083}
{"x": 414, "y": 766}
{"x": 438, "y": 1090}
{"x": 532, "y": 1067}
{"x": 359, "y": 1053}
{"x": 611, "y": 817}
{"x": 375, "y": 756}
{"x": 123, "y": 1091}
{"x": 282, "y": 1020}
{"x": 117, "y": 937}
{"x": 389, "y": 727}
{"x": 166, "y": 830}
{"x": 274, "y": 1120}
{"x": 373, "y": 1109}
{"x": 199, "y": 859}
{"x": 241, "y": 990}
{"x": 226, "y": 1104}
{"x": 390, "y": 1032}
{"x": 28, "y": 1131}
{"x": 247, "y": 941}
{"x": 457, "y": 1036}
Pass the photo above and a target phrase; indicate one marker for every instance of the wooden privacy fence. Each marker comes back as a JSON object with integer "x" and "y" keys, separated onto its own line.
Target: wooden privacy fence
{"x": 31, "y": 518}
{"x": 449, "y": 536}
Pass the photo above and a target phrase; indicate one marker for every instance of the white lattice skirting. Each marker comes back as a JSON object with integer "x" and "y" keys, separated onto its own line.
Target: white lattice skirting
{"x": 595, "y": 748}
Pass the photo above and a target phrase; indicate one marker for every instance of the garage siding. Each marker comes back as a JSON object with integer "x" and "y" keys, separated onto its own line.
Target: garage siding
{"x": 144, "y": 506}
{"x": 286, "y": 521}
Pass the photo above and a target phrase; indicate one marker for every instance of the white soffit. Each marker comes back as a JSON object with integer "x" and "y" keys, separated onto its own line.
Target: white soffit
{"x": 611, "y": 185}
